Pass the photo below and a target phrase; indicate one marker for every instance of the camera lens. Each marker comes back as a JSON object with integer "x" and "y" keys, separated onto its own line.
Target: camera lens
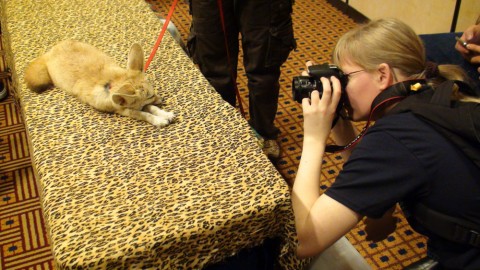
{"x": 302, "y": 86}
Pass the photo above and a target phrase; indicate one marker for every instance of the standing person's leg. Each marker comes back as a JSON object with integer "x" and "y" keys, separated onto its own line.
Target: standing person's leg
{"x": 206, "y": 45}
{"x": 267, "y": 39}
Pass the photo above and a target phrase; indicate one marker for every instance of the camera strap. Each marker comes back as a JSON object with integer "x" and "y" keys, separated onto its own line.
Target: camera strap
{"x": 396, "y": 92}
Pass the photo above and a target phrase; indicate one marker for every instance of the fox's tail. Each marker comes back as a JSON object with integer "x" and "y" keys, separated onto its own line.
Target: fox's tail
{"x": 36, "y": 75}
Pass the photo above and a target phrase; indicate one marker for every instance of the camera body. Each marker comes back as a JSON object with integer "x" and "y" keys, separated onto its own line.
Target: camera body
{"x": 302, "y": 86}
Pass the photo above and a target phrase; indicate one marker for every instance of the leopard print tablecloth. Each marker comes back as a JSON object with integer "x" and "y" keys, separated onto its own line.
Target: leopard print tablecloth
{"x": 121, "y": 194}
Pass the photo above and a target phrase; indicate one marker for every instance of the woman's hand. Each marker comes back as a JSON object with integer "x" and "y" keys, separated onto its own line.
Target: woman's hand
{"x": 319, "y": 112}
{"x": 472, "y": 51}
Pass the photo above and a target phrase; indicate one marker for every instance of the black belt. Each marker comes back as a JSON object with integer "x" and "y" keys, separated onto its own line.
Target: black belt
{"x": 451, "y": 228}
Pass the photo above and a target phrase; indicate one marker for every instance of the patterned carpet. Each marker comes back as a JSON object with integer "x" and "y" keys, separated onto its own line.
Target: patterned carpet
{"x": 23, "y": 240}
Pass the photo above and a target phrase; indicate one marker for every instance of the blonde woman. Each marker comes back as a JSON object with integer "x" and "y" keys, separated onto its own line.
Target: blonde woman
{"x": 403, "y": 158}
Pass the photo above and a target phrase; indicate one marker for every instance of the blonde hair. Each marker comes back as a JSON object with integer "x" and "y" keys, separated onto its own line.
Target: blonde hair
{"x": 393, "y": 42}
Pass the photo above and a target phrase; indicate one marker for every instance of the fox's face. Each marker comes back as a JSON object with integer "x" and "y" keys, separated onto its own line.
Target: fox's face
{"x": 134, "y": 92}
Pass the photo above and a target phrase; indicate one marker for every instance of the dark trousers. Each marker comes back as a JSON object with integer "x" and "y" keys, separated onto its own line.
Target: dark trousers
{"x": 267, "y": 38}
{"x": 440, "y": 48}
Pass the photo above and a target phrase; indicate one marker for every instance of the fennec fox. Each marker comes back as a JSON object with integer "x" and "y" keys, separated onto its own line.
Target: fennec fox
{"x": 95, "y": 79}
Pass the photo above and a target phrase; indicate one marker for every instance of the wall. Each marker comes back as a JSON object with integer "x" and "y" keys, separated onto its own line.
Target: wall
{"x": 425, "y": 16}
{"x": 469, "y": 12}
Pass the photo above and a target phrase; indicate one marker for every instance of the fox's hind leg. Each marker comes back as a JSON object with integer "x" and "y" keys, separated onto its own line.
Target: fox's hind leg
{"x": 36, "y": 75}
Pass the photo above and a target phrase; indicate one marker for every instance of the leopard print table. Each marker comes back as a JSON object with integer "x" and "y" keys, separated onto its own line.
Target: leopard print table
{"x": 121, "y": 194}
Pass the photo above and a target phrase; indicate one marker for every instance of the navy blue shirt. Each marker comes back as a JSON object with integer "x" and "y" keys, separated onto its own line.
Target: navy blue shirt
{"x": 404, "y": 159}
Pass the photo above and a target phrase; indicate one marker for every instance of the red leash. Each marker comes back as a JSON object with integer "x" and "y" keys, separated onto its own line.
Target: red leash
{"x": 237, "y": 93}
{"x": 160, "y": 36}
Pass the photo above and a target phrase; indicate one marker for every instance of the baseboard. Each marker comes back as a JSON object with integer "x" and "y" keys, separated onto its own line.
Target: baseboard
{"x": 349, "y": 11}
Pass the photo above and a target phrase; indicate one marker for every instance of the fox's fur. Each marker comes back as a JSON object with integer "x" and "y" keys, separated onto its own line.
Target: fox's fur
{"x": 95, "y": 79}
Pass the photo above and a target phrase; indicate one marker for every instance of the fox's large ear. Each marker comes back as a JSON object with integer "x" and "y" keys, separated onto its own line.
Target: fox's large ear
{"x": 135, "y": 58}
{"x": 122, "y": 99}
{"x": 124, "y": 95}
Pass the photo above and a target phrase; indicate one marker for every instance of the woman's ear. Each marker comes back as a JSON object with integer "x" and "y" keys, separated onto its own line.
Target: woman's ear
{"x": 384, "y": 76}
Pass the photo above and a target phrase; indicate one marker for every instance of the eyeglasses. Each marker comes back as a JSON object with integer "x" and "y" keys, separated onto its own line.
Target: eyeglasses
{"x": 353, "y": 72}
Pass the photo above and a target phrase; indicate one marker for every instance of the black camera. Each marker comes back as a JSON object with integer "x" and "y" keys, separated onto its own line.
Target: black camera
{"x": 302, "y": 86}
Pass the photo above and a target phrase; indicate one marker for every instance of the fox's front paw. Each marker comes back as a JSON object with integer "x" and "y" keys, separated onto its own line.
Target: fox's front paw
{"x": 160, "y": 121}
{"x": 170, "y": 116}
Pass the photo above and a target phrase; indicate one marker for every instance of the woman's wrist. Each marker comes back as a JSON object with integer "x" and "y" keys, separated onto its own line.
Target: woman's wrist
{"x": 313, "y": 142}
